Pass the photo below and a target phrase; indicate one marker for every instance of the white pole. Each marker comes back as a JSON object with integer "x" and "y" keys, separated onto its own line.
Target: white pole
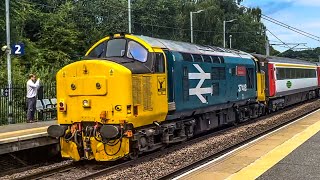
{"x": 224, "y": 34}
{"x": 191, "y": 27}
{"x": 129, "y": 14}
{"x": 9, "y": 63}
{"x": 267, "y": 44}
{"x": 230, "y": 40}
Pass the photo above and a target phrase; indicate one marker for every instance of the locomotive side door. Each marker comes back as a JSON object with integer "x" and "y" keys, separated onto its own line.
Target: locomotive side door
{"x": 160, "y": 84}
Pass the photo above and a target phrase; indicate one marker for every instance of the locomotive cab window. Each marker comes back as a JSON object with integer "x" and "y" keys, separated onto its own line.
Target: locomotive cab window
{"x": 98, "y": 51}
{"x": 116, "y": 48}
{"x": 137, "y": 52}
{"x": 159, "y": 65}
{"x": 120, "y": 48}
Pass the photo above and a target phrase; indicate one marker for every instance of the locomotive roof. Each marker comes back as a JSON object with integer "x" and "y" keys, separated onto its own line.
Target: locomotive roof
{"x": 192, "y": 48}
{"x": 283, "y": 60}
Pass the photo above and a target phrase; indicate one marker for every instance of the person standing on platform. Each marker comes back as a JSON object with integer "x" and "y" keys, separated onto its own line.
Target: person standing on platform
{"x": 33, "y": 85}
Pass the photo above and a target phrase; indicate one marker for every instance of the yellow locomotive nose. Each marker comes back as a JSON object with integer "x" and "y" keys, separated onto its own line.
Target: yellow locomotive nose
{"x": 91, "y": 96}
{"x": 87, "y": 86}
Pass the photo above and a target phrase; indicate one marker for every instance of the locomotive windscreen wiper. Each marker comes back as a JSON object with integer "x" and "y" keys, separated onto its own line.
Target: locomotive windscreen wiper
{"x": 132, "y": 59}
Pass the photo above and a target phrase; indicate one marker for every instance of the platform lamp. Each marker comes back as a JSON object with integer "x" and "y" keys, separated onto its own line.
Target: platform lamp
{"x": 191, "y": 23}
{"x": 224, "y": 31}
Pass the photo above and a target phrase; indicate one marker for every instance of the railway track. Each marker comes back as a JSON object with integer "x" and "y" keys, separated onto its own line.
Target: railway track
{"x": 200, "y": 162}
{"x": 84, "y": 170}
{"x": 48, "y": 172}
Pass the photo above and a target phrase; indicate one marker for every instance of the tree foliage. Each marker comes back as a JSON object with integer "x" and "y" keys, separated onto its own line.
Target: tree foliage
{"x": 58, "y": 32}
{"x": 310, "y": 55}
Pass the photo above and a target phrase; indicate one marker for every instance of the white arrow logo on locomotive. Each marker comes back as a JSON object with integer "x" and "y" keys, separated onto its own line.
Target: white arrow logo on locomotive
{"x": 198, "y": 91}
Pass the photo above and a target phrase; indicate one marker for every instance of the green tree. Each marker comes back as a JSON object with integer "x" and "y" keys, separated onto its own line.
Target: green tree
{"x": 58, "y": 32}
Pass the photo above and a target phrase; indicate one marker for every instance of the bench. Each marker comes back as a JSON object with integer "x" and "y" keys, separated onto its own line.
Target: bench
{"x": 45, "y": 107}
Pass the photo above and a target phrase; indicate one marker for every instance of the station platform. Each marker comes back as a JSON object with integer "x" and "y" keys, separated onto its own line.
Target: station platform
{"x": 291, "y": 152}
{"x": 16, "y": 137}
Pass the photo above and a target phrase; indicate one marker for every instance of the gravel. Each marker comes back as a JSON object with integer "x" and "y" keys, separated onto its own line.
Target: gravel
{"x": 164, "y": 163}
{"x": 170, "y": 162}
{"x": 35, "y": 170}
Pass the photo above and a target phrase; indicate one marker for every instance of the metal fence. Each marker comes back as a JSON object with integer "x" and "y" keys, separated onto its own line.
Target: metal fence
{"x": 19, "y": 102}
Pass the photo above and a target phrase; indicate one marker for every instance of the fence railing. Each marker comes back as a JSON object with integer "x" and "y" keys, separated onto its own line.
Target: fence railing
{"x": 19, "y": 102}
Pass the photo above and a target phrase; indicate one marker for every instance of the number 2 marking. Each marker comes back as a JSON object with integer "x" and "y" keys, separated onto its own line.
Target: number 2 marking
{"x": 18, "y": 49}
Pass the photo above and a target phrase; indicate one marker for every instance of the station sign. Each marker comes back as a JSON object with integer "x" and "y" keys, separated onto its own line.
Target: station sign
{"x": 17, "y": 49}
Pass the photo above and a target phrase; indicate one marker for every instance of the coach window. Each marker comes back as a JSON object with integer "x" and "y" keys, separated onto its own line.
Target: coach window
{"x": 299, "y": 73}
{"x": 137, "y": 52}
{"x": 197, "y": 58}
{"x": 304, "y": 73}
{"x": 280, "y": 73}
{"x": 312, "y": 73}
{"x": 116, "y": 47}
{"x": 159, "y": 63}
{"x": 290, "y": 73}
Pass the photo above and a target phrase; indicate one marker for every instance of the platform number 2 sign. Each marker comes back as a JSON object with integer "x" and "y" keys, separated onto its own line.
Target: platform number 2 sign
{"x": 17, "y": 49}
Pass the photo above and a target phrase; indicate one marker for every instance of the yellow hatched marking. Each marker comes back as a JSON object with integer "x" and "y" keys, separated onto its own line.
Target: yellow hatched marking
{"x": 25, "y": 131}
{"x": 264, "y": 163}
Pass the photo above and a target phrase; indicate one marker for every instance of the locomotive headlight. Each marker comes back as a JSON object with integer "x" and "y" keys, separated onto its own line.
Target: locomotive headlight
{"x": 86, "y": 103}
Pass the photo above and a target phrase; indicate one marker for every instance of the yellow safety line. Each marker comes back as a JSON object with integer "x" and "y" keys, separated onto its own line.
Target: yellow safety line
{"x": 261, "y": 165}
{"x": 24, "y": 131}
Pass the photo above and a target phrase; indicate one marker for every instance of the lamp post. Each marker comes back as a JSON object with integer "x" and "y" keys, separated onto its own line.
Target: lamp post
{"x": 230, "y": 40}
{"x": 129, "y": 15}
{"x": 8, "y": 51}
{"x": 191, "y": 23}
{"x": 224, "y": 31}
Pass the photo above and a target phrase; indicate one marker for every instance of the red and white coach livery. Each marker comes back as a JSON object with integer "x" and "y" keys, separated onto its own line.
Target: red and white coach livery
{"x": 289, "y": 81}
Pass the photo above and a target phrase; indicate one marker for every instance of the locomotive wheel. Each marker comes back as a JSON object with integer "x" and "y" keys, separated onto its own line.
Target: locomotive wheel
{"x": 134, "y": 154}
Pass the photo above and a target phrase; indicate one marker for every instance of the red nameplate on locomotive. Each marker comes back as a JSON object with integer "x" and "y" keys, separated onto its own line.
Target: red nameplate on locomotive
{"x": 241, "y": 71}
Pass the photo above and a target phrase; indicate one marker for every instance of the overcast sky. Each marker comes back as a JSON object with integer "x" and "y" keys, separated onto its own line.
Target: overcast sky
{"x": 301, "y": 14}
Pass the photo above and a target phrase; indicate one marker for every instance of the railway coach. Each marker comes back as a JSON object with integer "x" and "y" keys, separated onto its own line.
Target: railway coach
{"x": 133, "y": 94}
{"x": 289, "y": 81}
